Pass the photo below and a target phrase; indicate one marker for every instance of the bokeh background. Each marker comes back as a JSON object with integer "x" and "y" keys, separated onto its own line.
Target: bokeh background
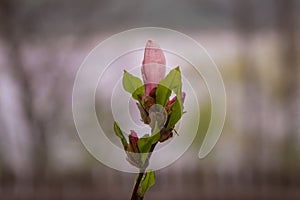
{"x": 255, "y": 45}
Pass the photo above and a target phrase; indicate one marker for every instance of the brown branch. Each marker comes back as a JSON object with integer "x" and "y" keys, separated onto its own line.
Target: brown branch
{"x": 135, "y": 195}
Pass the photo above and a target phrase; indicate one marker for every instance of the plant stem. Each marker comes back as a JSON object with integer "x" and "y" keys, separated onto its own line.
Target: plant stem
{"x": 135, "y": 195}
{"x": 136, "y": 186}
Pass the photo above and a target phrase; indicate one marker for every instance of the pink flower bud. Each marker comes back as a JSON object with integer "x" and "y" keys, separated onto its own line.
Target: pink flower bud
{"x": 174, "y": 99}
{"x": 154, "y": 66}
{"x": 134, "y": 135}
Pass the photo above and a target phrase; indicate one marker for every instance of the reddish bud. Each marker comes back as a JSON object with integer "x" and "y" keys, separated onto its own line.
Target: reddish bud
{"x": 174, "y": 99}
{"x": 134, "y": 135}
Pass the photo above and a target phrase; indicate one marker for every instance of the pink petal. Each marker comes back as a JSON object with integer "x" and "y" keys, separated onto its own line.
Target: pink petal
{"x": 153, "y": 53}
{"x": 154, "y": 65}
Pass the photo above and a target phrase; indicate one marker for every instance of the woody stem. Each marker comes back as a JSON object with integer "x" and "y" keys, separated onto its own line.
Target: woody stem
{"x": 135, "y": 195}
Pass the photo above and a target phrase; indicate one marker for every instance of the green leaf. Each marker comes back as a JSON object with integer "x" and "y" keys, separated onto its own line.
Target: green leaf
{"x": 172, "y": 82}
{"x": 120, "y": 134}
{"x": 144, "y": 145}
{"x": 163, "y": 94}
{"x": 146, "y": 142}
{"x": 147, "y": 181}
{"x": 133, "y": 85}
{"x": 175, "y": 115}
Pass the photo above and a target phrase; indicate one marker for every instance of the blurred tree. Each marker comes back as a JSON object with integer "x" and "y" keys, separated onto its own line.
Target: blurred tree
{"x": 244, "y": 12}
{"x": 289, "y": 70}
{"x": 11, "y": 34}
{"x": 288, "y": 43}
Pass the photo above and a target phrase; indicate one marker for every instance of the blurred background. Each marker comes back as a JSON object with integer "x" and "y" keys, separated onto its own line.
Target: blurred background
{"x": 255, "y": 45}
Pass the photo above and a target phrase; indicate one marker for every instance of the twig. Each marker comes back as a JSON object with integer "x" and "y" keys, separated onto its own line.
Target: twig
{"x": 135, "y": 195}
{"x": 136, "y": 186}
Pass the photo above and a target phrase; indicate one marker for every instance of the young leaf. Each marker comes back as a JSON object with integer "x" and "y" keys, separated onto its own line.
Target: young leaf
{"x": 147, "y": 181}
{"x": 175, "y": 115}
{"x": 133, "y": 85}
{"x": 178, "y": 89}
{"x": 146, "y": 142}
{"x": 163, "y": 94}
{"x": 172, "y": 82}
{"x": 120, "y": 134}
